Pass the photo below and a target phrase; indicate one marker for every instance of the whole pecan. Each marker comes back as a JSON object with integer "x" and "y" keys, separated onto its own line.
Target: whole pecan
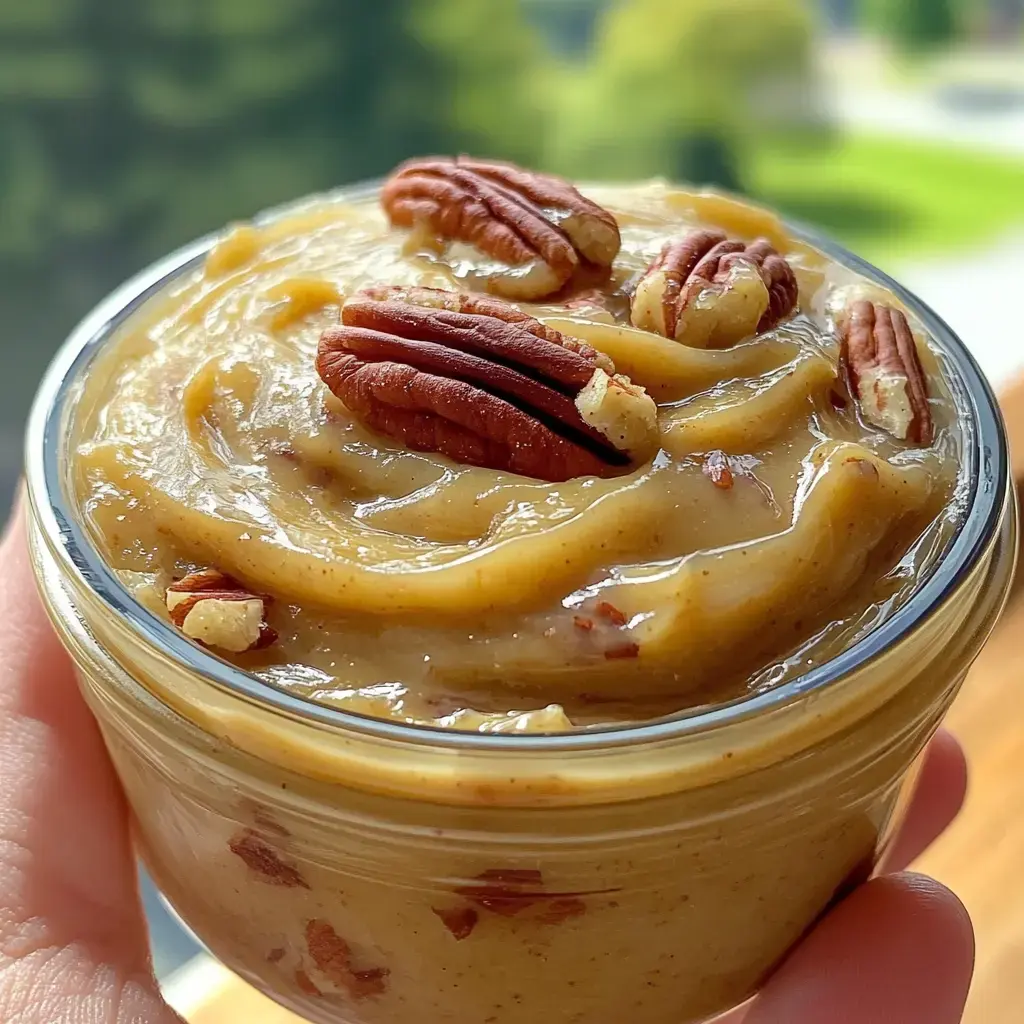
{"x": 885, "y": 372}
{"x": 538, "y": 228}
{"x": 479, "y": 381}
{"x": 217, "y": 611}
{"x": 481, "y": 305}
{"x": 709, "y": 291}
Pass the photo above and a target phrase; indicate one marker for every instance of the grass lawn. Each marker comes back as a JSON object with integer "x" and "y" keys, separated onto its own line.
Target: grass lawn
{"x": 888, "y": 199}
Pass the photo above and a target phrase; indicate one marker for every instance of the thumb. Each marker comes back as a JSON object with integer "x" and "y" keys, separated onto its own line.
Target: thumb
{"x": 72, "y": 935}
{"x": 900, "y": 950}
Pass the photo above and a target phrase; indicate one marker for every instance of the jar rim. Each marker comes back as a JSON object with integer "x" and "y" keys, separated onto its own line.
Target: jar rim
{"x": 985, "y": 455}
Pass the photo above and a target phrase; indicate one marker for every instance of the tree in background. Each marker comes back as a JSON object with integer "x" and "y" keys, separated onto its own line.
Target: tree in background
{"x": 316, "y": 93}
{"x": 680, "y": 87}
{"x": 568, "y": 25}
{"x": 914, "y": 25}
{"x": 491, "y": 98}
{"x": 130, "y": 126}
{"x": 997, "y": 20}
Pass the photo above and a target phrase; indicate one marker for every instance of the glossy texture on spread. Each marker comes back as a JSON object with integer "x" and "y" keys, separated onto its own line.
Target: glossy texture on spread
{"x": 408, "y": 587}
{"x": 365, "y": 872}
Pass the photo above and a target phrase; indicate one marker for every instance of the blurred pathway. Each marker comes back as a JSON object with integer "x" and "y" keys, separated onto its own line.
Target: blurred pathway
{"x": 914, "y": 115}
{"x": 866, "y": 93}
{"x": 979, "y": 292}
{"x": 981, "y": 295}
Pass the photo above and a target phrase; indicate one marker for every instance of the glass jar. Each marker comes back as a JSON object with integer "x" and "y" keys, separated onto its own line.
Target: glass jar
{"x": 365, "y": 872}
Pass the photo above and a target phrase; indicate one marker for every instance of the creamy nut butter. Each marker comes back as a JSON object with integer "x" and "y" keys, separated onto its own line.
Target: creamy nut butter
{"x": 768, "y": 514}
{"x": 679, "y": 534}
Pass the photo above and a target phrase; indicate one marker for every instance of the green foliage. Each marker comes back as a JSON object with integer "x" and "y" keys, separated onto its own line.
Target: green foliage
{"x": 679, "y": 87}
{"x": 703, "y": 155}
{"x": 891, "y": 199}
{"x": 130, "y": 126}
{"x": 915, "y": 25}
{"x": 490, "y": 56}
{"x": 566, "y": 24}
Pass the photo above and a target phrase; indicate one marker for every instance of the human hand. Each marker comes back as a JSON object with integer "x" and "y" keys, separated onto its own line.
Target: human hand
{"x": 900, "y": 950}
{"x": 72, "y": 936}
{"x": 73, "y": 945}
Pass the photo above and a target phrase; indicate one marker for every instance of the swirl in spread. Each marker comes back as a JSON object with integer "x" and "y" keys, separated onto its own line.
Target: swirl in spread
{"x": 773, "y": 527}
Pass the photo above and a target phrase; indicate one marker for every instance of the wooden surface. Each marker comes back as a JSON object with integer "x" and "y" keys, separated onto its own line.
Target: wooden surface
{"x": 981, "y": 857}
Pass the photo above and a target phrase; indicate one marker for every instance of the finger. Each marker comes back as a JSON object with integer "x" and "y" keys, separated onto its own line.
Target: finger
{"x": 61, "y": 803}
{"x": 900, "y": 950}
{"x": 69, "y": 908}
{"x": 938, "y": 797}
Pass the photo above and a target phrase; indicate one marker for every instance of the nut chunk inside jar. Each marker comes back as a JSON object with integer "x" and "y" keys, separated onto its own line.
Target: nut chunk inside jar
{"x": 492, "y": 451}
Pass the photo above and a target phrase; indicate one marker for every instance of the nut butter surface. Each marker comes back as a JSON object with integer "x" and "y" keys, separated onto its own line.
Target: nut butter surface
{"x": 490, "y": 452}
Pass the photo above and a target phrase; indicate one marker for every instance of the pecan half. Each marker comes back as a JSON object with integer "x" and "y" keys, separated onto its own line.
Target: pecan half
{"x": 217, "y": 611}
{"x": 884, "y": 367}
{"x": 538, "y": 228}
{"x": 482, "y": 383}
{"x": 711, "y": 292}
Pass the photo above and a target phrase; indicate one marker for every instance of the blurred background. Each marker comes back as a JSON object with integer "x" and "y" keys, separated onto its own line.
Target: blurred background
{"x": 128, "y": 127}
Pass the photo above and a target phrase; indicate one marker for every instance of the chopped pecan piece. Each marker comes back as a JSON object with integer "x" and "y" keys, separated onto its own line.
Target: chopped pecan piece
{"x": 717, "y": 470}
{"x": 884, "y": 367}
{"x": 724, "y": 471}
{"x": 623, "y": 652}
{"x": 332, "y": 956}
{"x": 306, "y": 984}
{"x": 711, "y": 292}
{"x": 538, "y": 228}
{"x": 262, "y": 859}
{"x": 266, "y": 822}
{"x": 611, "y": 614}
{"x": 505, "y": 891}
{"x": 217, "y": 611}
{"x": 509, "y": 891}
{"x": 563, "y": 909}
{"x": 460, "y": 921}
{"x": 480, "y": 382}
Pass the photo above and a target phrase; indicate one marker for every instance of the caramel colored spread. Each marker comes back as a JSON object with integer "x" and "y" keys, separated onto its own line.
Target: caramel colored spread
{"x": 774, "y": 524}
